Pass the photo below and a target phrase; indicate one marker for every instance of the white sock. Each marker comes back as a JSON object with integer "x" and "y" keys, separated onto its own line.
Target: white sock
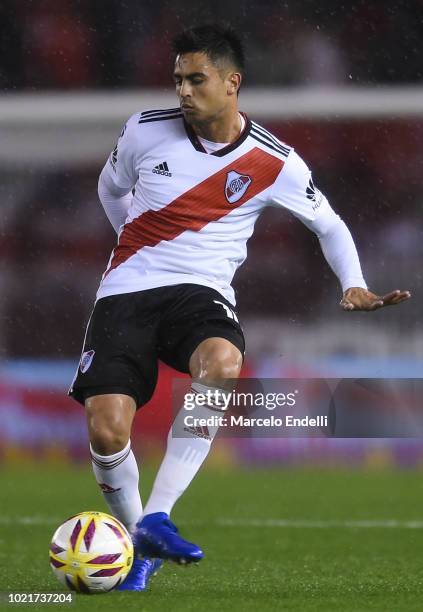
{"x": 184, "y": 456}
{"x": 117, "y": 476}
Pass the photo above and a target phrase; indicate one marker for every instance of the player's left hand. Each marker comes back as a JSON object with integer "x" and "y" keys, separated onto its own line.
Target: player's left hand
{"x": 357, "y": 298}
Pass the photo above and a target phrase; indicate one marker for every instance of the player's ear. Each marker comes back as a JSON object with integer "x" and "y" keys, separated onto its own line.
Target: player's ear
{"x": 233, "y": 83}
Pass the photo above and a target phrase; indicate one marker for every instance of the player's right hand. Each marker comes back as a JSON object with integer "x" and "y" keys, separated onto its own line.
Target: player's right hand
{"x": 357, "y": 298}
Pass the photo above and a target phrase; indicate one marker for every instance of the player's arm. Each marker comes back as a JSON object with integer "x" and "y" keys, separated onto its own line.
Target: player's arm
{"x": 115, "y": 200}
{"x": 295, "y": 190}
{"x": 341, "y": 254}
{"x": 119, "y": 176}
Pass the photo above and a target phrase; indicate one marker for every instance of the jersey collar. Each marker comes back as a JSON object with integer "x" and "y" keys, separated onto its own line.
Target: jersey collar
{"x": 221, "y": 152}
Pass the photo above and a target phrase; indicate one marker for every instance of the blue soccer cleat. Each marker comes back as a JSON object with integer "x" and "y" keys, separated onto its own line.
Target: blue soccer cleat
{"x": 157, "y": 536}
{"x": 140, "y": 573}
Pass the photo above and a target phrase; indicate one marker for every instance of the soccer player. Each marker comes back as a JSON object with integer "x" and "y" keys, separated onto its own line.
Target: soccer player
{"x": 183, "y": 189}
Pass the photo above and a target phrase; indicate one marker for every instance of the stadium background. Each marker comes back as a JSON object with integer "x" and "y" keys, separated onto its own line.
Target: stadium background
{"x": 346, "y": 85}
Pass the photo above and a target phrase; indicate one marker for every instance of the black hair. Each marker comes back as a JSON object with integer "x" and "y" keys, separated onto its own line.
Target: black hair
{"x": 218, "y": 41}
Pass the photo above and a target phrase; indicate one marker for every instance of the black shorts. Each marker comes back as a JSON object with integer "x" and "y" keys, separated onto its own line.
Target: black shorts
{"x": 128, "y": 333}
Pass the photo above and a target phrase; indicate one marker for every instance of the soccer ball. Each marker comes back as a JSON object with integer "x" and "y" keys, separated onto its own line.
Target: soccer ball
{"x": 91, "y": 552}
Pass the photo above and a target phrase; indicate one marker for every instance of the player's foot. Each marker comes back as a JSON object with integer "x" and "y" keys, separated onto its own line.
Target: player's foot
{"x": 157, "y": 536}
{"x": 140, "y": 573}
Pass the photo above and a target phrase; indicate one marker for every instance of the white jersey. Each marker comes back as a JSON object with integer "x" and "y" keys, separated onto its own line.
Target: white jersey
{"x": 192, "y": 212}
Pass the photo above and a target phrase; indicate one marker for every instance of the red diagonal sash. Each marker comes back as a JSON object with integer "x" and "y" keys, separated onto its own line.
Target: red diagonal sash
{"x": 196, "y": 207}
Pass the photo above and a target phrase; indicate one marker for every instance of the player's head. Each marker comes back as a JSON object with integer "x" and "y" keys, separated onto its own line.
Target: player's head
{"x": 209, "y": 66}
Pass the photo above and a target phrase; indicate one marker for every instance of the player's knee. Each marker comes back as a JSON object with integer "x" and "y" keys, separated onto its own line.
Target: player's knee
{"x": 223, "y": 369}
{"x": 109, "y": 424}
{"x": 216, "y": 359}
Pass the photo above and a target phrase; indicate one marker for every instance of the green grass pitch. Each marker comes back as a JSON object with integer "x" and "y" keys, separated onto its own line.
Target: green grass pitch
{"x": 280, "y": 539}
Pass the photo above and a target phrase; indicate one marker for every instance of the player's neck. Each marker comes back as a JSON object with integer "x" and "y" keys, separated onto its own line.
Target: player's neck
{"x": 222, "y": 129}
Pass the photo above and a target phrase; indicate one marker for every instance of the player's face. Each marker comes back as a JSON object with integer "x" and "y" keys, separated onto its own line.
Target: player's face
{"x": 204, "y": 89}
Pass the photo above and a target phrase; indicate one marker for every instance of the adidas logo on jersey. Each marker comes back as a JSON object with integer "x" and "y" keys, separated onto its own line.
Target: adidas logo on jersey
{"x": 162, "y": 169}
